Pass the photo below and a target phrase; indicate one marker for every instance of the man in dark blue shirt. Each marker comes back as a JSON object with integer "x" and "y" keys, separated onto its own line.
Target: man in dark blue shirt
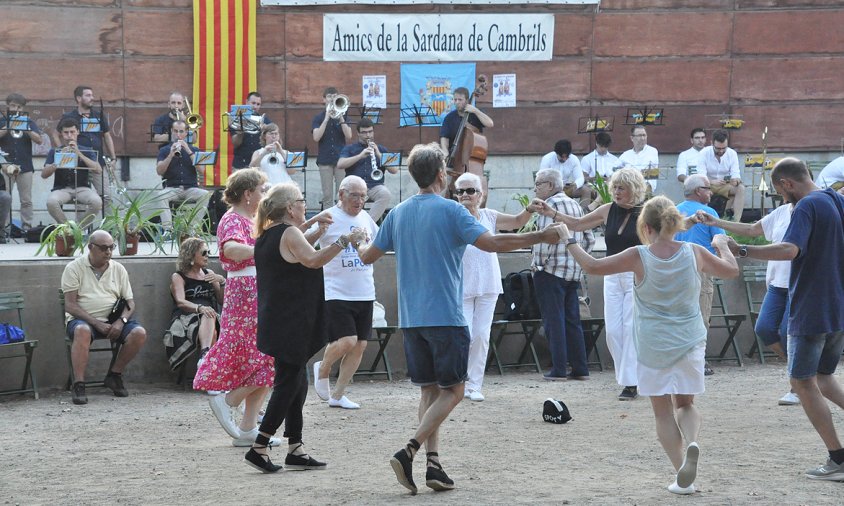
{"x": 71, "y": 183}
{"x": 162, "y": 124}
{"x": 180, "y": 176}
{"x": 246, "y": 143}
{"x": 363, "y": 159}
{"x": 331, "y": 134}
{"x": 452, "y": 120}
{"x": 814, "y": 242}
{"x": 19, "y": 154}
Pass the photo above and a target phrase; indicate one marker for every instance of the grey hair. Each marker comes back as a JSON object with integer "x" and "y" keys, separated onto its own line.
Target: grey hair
{"x": 472, "y": 178}
{"x": 551, "y": 175}
{"x": 694, "y": 182}
{"x": 349, "y": 181}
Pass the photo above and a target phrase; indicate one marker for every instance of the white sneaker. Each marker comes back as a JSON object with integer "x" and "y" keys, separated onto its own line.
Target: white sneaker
{"x": 323, "y": 389}
{"x": 688, "y": 471}
{"x": 343, "y": 402}
{"x": 476, "y": 396}
{"x": 677, "y": 489}
{"x": 789, "y": 399}
{"x": 212, "y": 393}
{"x": 223, "y": 412}
{"x": 247, "y": 438}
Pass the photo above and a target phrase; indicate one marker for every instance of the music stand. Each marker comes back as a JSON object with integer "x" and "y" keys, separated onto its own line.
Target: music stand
{"x": 595, "y": 124}
{"x": 418, "y": 116}
{"x": 299, "y": 160}
{"x": 645, "y": 116}
{"x": 393, "y": 159}
{"x": 373, "y": 113}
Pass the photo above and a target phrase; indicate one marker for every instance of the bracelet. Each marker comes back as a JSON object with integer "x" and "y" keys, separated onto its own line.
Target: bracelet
{"x": 554, "y": 218}
{"x": 198, "y": 308}
{"x": 342, "y": 242}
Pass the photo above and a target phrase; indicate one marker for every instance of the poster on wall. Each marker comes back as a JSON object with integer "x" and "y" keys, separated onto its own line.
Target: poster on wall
{"x": 431, "y": 88}
{"x": 504, "y": 90}
{"x": 374, "y": 89}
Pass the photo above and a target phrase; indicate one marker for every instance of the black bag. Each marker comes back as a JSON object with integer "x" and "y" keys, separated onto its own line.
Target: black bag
{"x": 519, "y": 297}
{"x": 34, "y": 233}
{"x": 554, "y": 411}
{"x": 116, "y": 310}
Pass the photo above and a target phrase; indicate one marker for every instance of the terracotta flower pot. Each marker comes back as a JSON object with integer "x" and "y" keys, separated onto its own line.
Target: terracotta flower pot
{"x": 131, "y": 245}
{"x": 64, "y": 245}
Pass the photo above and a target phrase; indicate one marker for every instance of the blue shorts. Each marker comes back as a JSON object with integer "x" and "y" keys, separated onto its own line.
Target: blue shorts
{"x": 817, "y": 354}
{"x": 437, "y": 355}
{"x": 127, "y": 327}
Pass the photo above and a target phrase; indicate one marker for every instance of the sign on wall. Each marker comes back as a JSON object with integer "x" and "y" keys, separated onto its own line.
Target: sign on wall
{"x": 429, "y": 89}
{"x": 374, "y": 91}
{"x": 504, "y": 90}
{"x": 437, "y": 37}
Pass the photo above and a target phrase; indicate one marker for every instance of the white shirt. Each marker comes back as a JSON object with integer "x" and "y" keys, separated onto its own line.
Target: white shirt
{"x": 643, "y": 160}
{"x": 570, "y": 169}
{"x": 717, "y": 170}
{"x": 831, "y": 174}
{"x": 481, "y": 272}
{"x": 595, "y": 163}
{"x": 688, "y": 162}
{"x": 346, "y": 277}
{"x": 774, "y": 225}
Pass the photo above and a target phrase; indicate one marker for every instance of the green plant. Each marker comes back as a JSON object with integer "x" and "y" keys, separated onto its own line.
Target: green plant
{"x": 524, "y": 201}
{"x": 602, "y": 188}
{"x": 132, "y": 215}
{"x": 190, "y": 219}
{"x": 71, "y": 233}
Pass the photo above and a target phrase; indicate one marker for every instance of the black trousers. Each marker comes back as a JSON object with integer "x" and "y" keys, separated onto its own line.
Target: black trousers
{"x": 289, "y": 391}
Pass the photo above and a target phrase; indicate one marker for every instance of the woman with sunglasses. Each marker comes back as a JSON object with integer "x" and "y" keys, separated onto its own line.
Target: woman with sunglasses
{"x": 195, "y": 289}
{"x": 234, "y": 365}
{"x": 481, "y": 279}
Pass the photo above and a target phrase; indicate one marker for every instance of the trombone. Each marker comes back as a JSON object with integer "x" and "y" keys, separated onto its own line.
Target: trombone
{"x": 193, "y": 120}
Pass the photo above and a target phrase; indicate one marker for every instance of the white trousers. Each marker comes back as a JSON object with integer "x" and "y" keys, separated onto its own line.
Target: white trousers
{"x": 478, "y": 312}
{"x": 618, "y": 315}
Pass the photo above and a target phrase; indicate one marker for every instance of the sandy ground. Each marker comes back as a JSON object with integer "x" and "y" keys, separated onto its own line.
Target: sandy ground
{"x": 162, "y": 445}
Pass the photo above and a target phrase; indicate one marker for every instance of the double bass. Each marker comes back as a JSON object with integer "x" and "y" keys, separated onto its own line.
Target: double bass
{"x": 470, "y": 148}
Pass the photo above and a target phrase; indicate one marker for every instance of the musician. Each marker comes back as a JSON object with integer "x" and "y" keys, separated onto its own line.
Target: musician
{"x": 331, "y": 134}
{"x": 570, "y": 170}
{"x": 70, "y": 184}
{"x": 641, "y": 156}
{"x": 360, "y": 159}
{"x": 600, "y": 161}
{"x": 452, "y": 120}
{"x": 100, "y": 142}
{"x": 162, "y": 124}
{"x": 180, "y": 176}
{"x": 688, "y": 162}
{"x": 720, "y": 164}
{"x": 18, "y": 168}
{"x": 271, "y": 142}
{"x": 245, "y": 143}
{"x": 832, "y": 176}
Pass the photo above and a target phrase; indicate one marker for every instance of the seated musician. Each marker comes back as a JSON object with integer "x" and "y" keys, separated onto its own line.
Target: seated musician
{"x": 451, "y": 122}
{"x": 162, "y": 125}
{"x": 180, "y": 176}
{"x": 642, "y": 157}
{"x": 71, "y": 183}
{"x": 567, "y": 164}
{"x": 363, "y": 159}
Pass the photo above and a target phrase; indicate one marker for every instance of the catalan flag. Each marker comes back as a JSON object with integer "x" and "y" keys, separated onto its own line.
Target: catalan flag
{"x": 223, "y": 72}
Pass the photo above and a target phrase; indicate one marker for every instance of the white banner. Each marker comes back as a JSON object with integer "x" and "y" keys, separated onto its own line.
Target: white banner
{"x": 437, "y": 37}
{"x": 430, "y": 2}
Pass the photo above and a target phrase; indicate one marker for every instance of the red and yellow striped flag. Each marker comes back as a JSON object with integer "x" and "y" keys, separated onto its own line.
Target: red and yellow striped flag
{"x": 223, "y": 72}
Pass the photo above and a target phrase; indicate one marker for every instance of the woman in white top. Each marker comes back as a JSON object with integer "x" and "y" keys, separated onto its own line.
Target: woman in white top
{"x": 668, "y": 327}
{"x": 481, "y": 279}
{"x": 272, "y": 158}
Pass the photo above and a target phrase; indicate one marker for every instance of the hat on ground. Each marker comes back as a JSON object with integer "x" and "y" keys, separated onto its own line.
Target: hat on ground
{"x": 554, "y": 411}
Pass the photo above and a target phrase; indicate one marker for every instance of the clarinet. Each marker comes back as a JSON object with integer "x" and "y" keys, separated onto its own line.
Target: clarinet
{"x": 376, "y": 174}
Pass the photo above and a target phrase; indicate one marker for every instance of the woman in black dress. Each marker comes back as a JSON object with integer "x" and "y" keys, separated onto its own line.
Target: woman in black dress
{"x": 290, "y": 320}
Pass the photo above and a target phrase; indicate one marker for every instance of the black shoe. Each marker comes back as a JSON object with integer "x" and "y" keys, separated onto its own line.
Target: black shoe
{"x": 78, "y": 392}
{"x": 436, "y": 478}
{"x": 707, "y": 369}
{"x": 114, "y": 382}
{"x": 628, "y": 394}
{"x": 403, "y": 467}
{"x": 303, "y": 463}
{"x": 261, "y": 462}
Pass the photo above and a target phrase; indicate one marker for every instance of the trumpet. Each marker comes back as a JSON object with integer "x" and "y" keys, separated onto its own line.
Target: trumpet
{"x": 192, "y": 120}
{"x": 338, "y": 107}
{"x": 376, "y": 174}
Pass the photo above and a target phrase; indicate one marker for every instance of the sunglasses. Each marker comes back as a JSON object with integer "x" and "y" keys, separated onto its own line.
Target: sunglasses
{"x": 467, "y": 191}
{"x": 204, "y": 252}
{"x": 105, "y": 248}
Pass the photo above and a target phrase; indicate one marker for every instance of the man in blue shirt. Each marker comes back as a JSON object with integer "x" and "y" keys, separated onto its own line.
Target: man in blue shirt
{"x": 180, "y": 176}
{"x": 162, "y": 124}
{"x": 246, "y": 143}
{"x": 19, "y": 154}
{"x": 362, "y": 159}
{"x": 429, "y": 234}
{"x": 331, "y": 134}
{"x": 814, "y": 242}
{"x": 71, "y": 183}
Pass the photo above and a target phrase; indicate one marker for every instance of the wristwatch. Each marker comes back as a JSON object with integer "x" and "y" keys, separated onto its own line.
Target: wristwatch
{"x": 742, "y": 251}
{"x": 571, "y": 241}
{"x": 124, "y": 320}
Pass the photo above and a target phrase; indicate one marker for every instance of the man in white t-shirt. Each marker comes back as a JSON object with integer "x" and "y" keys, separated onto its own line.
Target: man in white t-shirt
{"x": 600, "y": 161}
{"x": 349, "y": 293}
{"x": 832, "y": 176}
{"x": 568, "y": 165}
{"x": 720, "y": 164}
{"x": 641, "y": 156}
{"x": 688, "y": 161}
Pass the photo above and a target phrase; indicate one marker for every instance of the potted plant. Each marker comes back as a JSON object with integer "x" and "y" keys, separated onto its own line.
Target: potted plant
{"x": 64, "y": 239}
{"x": 187, "y": 222}
{"x": 131, "y": 215}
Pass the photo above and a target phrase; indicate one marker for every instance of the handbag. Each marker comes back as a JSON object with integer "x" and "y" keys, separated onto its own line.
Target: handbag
{"x": 116, "y": 310}
{"x": 10, "y": 334}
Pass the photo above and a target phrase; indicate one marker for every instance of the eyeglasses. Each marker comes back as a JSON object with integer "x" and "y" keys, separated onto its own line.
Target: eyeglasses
{"x": 105, "y": 248}
{"x": 301, "y": 200}
{"x": 467, "y": 191}
{"x": 704, "y": 188}
{"x": 204, "y": 252}
{"x": 357, "y": 196}
{"x": 640, "y": 135}
{"x": 536, "y": 185}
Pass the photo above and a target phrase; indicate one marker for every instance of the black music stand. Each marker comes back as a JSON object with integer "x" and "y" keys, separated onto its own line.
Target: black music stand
{"x": 299, "y": 160}
{"x": 393, "y": 159}
{"x": 418, "y": 116}
{"x": 373, "y": 113}
{"x": 595, "y": 124}
{"x": 645, "y": 116}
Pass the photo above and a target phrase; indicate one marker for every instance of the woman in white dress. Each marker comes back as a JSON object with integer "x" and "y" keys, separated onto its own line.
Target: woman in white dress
{"x": 668, "y": 327}
{"x": 275, "y": 168}
{"x": 481, "y": 279}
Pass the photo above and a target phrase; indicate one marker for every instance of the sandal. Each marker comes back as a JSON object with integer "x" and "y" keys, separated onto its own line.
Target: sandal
{"x": 435, "y": 477}
{"x": 261, "y": 461}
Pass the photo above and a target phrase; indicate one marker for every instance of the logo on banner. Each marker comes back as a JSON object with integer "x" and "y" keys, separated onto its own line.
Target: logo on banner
{"x": 432, "y": 86}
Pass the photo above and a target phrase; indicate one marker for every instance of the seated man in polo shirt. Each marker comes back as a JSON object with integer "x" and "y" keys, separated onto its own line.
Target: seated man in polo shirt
{"x": 180, "y": 176}
{"x": 92, "y": 284}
